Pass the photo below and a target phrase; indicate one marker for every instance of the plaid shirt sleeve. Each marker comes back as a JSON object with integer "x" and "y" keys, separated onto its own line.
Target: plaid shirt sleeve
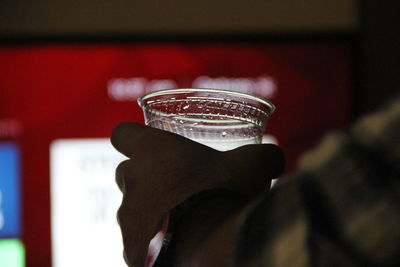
{"x": 341, "y": 209}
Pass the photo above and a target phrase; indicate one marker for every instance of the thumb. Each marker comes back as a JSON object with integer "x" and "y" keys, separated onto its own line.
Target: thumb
{"x": 252, "y": 167}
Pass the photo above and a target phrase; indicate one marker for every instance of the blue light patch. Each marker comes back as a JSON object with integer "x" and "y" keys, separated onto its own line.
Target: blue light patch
{"x": 10, "y": 217}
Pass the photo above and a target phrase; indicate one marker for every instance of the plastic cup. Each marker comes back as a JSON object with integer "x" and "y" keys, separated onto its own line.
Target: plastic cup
{"x": 220, "y": 119}
{"x": 217, "y": 118}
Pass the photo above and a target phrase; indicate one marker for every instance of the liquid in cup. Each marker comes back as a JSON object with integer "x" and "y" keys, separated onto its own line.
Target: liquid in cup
{"x": 217, "y": 118}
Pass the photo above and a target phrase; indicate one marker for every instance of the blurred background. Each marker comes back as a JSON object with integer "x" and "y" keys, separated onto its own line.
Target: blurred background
{"x": 71, "y": 71}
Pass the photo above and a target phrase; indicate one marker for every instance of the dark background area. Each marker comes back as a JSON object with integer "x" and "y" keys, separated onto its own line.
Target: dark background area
{"x": 379, "y": 63}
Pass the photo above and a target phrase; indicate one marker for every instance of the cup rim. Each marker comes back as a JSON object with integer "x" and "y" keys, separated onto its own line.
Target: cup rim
{"x": 189, "y": 90}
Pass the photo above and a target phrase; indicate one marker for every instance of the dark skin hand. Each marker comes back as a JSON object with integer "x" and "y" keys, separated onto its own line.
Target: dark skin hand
{"x": 165, "y": 169}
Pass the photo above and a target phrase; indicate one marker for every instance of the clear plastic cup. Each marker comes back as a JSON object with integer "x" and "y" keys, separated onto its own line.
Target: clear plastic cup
{"x": 217, "y": 118}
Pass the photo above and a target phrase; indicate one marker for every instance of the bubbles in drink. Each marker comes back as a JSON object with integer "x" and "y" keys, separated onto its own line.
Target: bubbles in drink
{"x": 211, "y": 118}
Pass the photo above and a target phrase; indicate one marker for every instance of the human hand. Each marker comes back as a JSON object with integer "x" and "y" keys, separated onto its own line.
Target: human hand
{"x": 165, "y": 169}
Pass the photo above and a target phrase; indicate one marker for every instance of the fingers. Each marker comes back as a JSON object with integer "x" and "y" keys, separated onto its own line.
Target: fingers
{"x": 168, "y": 169}
{"x": 135, "y": 242}
{"x": 139, "y": 223}
{"x": 131, "y": 138}
{"x": 126, "y": 136}
{"x": 130, "y": 218}
{"x": 140, "y": 212}
{"x": 266, "y": 160}
{"x": 120, "y": 174}
{"x": 251, "y": 167}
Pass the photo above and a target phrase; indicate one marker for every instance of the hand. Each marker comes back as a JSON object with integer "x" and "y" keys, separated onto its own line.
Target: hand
{"x": 165, "y": 169}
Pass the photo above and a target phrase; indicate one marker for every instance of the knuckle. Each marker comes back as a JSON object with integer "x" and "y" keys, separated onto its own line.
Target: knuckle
{"x": 122, "y": 214}
{"x": 123, "y": 165}
{"x": 121, "y": 174}
{"x": 115, "y": 134}
{"x": 118, "y": 131}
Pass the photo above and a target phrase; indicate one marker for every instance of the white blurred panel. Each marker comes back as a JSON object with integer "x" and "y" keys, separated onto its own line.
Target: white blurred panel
{"x": 84, "y": 202}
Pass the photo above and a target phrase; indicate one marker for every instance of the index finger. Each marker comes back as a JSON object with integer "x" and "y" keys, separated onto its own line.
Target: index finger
{"x": 132, "y": 138}
{"x": 126, "y": 135}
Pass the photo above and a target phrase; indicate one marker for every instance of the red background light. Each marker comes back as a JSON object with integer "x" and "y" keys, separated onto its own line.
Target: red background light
{"x": 60, "y": 91}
